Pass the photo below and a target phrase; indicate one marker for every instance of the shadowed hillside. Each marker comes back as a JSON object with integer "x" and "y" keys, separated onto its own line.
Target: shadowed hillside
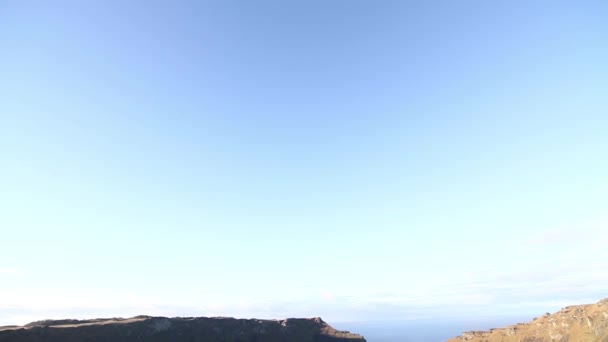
{"x": 161, "y": 329}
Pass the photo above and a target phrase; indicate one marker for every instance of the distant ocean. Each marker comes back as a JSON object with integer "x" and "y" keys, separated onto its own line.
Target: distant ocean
{"x": 420, "y": 331}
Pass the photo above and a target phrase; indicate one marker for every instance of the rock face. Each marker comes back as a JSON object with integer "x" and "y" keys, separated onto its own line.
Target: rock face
{"x": 192, "y": 329}
{"x": 584, "y": 323}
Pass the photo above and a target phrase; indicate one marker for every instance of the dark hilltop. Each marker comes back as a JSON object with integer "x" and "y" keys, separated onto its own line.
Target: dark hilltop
{"x": 178, "y": 329}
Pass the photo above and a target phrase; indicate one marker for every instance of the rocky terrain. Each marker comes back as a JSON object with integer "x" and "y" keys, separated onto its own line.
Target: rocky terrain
{"x": 162, "y": 329}
{"x": 579, "y": 323}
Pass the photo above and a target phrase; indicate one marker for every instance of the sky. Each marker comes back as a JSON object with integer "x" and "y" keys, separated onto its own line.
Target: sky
{"x": 354, "y": 160}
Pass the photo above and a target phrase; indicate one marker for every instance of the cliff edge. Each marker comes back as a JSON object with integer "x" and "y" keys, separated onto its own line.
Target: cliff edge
{"x": 584, "y": 323}
{"x": 178, "y": 329}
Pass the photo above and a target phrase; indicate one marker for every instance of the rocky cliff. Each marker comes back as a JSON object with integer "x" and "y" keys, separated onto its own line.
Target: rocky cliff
{"x": 162, "y": 329}
{"x": 579, "y": 323}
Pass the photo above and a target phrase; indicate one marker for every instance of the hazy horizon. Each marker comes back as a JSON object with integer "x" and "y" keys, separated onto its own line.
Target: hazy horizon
{"x": 354, "y": 160}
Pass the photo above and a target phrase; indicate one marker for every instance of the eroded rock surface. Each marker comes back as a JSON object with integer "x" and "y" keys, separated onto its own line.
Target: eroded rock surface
{"x": 578, "y": 323}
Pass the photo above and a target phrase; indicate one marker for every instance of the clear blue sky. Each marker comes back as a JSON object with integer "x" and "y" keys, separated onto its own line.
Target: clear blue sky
{"x": 346, "y": 159}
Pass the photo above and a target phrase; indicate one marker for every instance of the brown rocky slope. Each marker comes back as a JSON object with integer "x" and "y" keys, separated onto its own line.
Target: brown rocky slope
{"x": 194, "y": 329}
{"x": 578, "y": 323}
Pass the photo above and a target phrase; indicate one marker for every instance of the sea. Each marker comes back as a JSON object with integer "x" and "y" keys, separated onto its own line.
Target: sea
{"x": 421, "y": 331}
